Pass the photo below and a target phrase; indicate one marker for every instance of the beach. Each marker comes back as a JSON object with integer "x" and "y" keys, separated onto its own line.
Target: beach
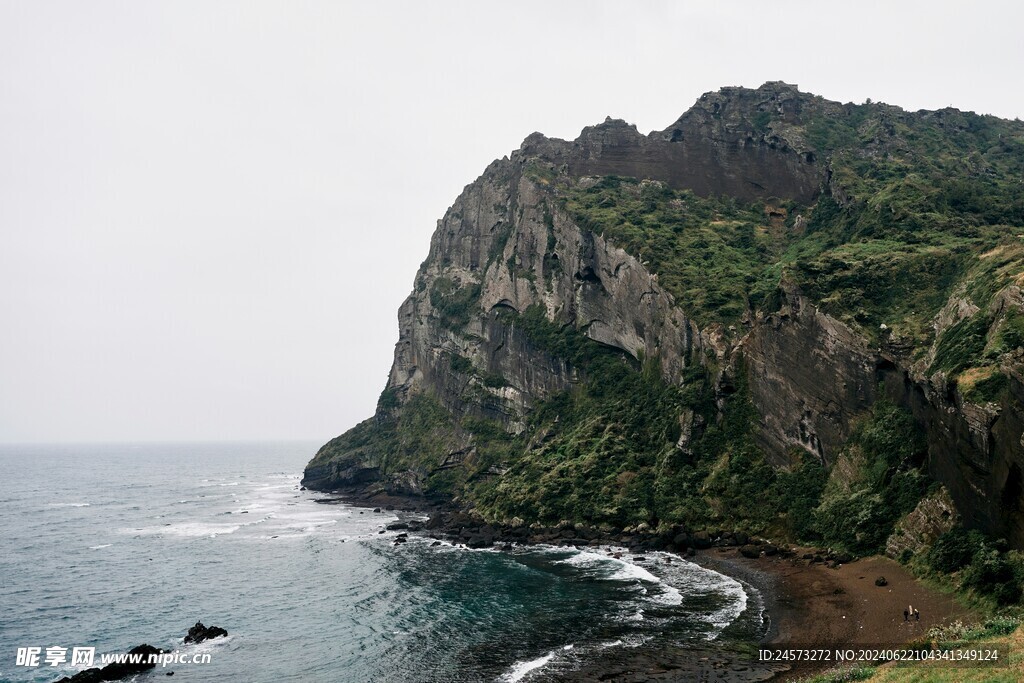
{"x": 808, "y": 605}
{"x": 814, "y": 605}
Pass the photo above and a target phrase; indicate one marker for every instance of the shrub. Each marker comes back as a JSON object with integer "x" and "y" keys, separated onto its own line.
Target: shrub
{"x": 989, "y": 389}
{"x": 495, "y": 380}
{"x": 992, "y": 573}
{"x": 800, "y": 490}
{"x": 460, "y": 364}
{"x": 954, "y": 550}
{"x": 454, "y": 304}
{"x": 388, "y": 399}
{"x": 888, "y": 485}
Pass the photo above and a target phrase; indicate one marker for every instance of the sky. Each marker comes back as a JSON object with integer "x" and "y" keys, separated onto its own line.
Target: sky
{"x": 210, "y": 211}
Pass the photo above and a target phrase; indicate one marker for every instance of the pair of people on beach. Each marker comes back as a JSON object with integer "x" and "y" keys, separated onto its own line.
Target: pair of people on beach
{"x": 911, "y": 612}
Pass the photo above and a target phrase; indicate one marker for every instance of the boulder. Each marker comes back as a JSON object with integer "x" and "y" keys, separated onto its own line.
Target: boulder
{"x": 200, "y": 633}
{"x": 117, "y": 670}
{"x": 480, "y": 542}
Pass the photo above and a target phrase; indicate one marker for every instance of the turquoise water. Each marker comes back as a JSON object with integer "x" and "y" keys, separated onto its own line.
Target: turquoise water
{"x": 112, "y": 546}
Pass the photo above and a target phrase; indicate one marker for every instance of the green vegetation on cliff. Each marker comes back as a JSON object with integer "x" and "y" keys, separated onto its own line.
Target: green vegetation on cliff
{"x": 593, "y": 453}
{"x": 878, "y": 480}
{"x": 454, "y": 303}
{"x": 609, "y": 452}
{"x": 906, "y": 194}
{"x": 710, "y": 254}
{"x": 976, "y": 563}
{"x": 916, "y": 204}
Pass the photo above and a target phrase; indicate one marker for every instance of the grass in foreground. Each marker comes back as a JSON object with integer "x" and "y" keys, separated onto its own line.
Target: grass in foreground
{"x": 993, "y": 633}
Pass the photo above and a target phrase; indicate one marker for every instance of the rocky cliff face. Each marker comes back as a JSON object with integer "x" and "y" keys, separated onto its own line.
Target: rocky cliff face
{"x": 975, "y": 451}
{"x": 506, "y": 246}
{"x": 720, "y": 146}
{"x": 812, "y": 378}
{"x": 510, "y": 250}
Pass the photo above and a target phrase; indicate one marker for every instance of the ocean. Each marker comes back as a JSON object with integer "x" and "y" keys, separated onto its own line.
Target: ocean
{"x": 110, "y": 546}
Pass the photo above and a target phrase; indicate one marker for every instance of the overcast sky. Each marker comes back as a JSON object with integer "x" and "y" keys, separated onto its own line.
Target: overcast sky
{"x": 210, "y": 211}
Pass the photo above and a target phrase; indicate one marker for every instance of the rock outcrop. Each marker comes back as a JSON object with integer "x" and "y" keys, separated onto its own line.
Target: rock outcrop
{"x": 119, "y": 670}
{"x": 199, "y": 633}
{"x": 934, "y": 515}
{"x": 722, "y": 145}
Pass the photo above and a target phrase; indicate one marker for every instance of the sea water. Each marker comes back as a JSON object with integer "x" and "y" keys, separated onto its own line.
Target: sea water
{"x": 110, "y": 546}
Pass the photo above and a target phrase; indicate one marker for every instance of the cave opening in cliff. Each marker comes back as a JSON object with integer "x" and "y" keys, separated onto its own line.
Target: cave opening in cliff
{"x": 1012, "y": 490}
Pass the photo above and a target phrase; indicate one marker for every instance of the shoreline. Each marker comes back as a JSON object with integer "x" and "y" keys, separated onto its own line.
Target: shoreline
{"x": 816, "y": 605}
{"x": 808, "y": 598}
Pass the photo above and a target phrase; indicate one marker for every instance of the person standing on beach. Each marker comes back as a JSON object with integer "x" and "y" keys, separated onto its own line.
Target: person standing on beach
{"x": 917, "y": 616}
{"x": 905, "y": 615}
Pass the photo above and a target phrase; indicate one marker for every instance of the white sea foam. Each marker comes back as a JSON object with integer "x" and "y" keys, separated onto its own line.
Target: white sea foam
{"x": 460, "y": 548}
{"x": 205, "y": 646}
{"x": 100, "y": 547}
{"x": 520, "y": 670}
{"x": 694, "y": 578}
{"x": 68, "y": 505}
{"x": 186, "y": 530}
{"x": 674, "y": 577}
{"x": 618, "y": 569}
{"x": 637, "y": 640}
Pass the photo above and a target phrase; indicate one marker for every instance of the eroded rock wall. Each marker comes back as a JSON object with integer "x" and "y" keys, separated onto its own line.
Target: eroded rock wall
{"x": 507, "y": 237}
{"x": 715, "y": 148}
{"x": 976, "y": 452}
{"x": 811, "y": 378}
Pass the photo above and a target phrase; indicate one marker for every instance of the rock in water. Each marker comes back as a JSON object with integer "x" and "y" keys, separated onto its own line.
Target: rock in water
{"x": 144, "y": 653}
{"x": 199, "y": 633}
{"x": 117, "y": 670}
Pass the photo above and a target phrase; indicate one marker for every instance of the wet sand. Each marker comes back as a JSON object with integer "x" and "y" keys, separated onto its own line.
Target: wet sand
{"x": 813, "y": 605}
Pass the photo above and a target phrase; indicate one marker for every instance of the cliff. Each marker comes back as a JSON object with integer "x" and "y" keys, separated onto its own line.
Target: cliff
{"x": 775, "y": 314}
